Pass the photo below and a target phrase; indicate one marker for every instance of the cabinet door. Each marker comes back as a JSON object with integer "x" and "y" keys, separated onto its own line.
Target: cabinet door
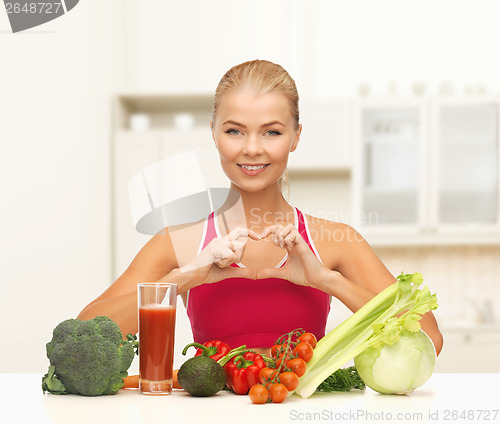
{"x": 325, "y": 142}
{"x": 469, "y": 350}
{"x": 133, "y": 152}
{"x": 467, "y": 164}
{"x": 200, "y": 140}
{"x": 390, "y": 171}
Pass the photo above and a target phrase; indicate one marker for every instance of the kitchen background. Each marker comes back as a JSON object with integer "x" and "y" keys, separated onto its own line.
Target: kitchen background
{"x": 400, "y": 105}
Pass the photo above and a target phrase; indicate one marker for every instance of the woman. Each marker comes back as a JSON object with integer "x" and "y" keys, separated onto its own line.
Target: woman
{"x": 265, "y": 268}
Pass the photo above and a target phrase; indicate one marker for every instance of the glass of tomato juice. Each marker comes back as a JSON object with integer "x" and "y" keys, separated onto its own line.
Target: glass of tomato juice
{"x": 157, "y": 304}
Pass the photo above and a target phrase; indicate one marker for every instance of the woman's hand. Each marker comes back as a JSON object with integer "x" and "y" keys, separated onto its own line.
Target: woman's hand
{"x": 214, "y": 261}
{"x": 302, "y": 267}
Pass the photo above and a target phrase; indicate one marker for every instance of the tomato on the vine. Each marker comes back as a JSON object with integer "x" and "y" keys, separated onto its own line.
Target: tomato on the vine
{"x": 266, "y": 374}
{"x": 258, "y": 394}
{"x": 308, "y": 338}
{"x": 274, "y": 349}
{"x": 304, "y": 350}
{"x": 280, "y": 353}
{"x": 278, "y": 392}
{"x": 297, "y": 365}
{"x": 290, "y": 380}
{"x": 280, "y": 349}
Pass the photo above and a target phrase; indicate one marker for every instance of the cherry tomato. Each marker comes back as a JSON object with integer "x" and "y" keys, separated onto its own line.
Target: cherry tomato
{"x": 278, "y": 392}
{"x": 297, "y": 365}
{"x": 258, "y": 394}
{"x": 266, "y": 374}
{"x": 308, "y": 338}
{"x": 278, "y": 348}
{"x": 280, "y": 360}
{"x": 304, "y": 350}
{"x": 290, "y": 380}
{"x": 282, "y": 352}
{"x": 273, "y": 350}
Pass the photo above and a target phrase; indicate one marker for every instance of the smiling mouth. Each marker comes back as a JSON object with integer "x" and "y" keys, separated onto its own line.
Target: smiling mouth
{"x": 253, "y": 167}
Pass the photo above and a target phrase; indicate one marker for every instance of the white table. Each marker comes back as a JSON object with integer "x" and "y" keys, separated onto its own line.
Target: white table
{"x": 445, "y": 398}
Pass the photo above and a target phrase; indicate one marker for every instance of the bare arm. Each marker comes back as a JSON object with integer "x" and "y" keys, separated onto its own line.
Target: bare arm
{"x": 119, "y": 302}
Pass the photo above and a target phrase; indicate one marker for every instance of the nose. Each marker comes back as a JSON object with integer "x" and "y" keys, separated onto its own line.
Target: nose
{"x": 253, "y": 145}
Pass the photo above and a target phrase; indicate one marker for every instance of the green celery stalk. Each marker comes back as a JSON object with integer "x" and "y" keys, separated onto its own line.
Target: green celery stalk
{"x": 349, "y": 329}
{"x": 376, "y": 322}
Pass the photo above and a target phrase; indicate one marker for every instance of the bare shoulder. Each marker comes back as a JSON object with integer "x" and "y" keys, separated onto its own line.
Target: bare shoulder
{"x": 334, "y": 239}
{"x": 326, "y": 231}
{"x": 344, "y": 249}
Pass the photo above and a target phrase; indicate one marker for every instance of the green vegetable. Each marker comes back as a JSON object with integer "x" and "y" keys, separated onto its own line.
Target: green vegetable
{"x": 87, "y": 358}
{"x": 342, "y": 380}
{"x": 398, "y": 368}
{"x": 376, "y": 323}
{"x": 50, "y": 383}
{"x": 201, "y": 376}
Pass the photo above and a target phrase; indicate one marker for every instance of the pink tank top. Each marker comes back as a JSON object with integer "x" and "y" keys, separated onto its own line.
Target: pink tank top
{"x": 244, "y": 311}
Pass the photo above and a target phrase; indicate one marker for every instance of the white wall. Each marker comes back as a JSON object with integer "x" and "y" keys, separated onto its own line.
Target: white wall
{"x": 55, "y": 87}
{"x": 56, "y": 83}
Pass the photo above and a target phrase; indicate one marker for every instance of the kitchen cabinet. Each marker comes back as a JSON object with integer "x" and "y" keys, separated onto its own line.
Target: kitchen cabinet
{"x": 465, "y": 165}
{"x": 427, "y": 169}
{"x": 325, "y": 142}
{"x": 470, "y": 349}
{"x": 389, "y": 176}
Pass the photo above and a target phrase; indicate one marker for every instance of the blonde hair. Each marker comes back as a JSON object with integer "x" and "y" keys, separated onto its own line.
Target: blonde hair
{"x": 263, "y": 77}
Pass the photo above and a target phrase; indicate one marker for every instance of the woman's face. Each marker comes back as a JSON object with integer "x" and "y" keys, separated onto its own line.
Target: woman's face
{"x": 254, "y": 133}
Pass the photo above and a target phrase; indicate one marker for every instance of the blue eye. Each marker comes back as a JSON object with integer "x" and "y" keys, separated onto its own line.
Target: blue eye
{"x": 232, "y": 131}
{"x": 273, "y": 133}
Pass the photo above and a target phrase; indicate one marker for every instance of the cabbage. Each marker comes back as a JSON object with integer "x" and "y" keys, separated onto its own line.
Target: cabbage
{"x": 398, "y": 368}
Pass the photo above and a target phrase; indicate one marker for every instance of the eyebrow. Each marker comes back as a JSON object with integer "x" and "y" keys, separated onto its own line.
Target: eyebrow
{"x": 262, "y": 126}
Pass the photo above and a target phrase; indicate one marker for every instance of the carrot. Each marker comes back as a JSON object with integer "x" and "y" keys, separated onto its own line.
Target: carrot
{"x": 175, "y": 381}
{"x": 132, "y": 381}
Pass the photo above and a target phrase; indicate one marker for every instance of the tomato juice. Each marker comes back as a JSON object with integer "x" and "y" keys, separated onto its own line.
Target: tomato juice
{"x": 156, "y": 346}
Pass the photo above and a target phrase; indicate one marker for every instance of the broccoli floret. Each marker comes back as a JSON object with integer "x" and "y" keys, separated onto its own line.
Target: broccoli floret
{"x": 88, "y": 357}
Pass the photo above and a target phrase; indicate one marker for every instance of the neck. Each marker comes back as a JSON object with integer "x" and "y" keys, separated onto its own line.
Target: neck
{"x": 257, "y": 210}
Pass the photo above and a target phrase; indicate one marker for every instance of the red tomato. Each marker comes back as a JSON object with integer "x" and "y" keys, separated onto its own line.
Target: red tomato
{"x": 290, "y": 380}
{"x": 280, "y": 353}
{"x": 304, "y": 350}
{"x": 278, "y": 392}
{"x": 258, "y": 394}
{"x": 281, "y": 348}
{"x": 308, "y": 338}
{"x": 297, "y": 365}
{"x": 274, "y": 350}
{"x": 266, "y": 374}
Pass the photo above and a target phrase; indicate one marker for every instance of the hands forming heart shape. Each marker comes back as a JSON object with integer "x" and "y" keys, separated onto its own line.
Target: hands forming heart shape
{"x": 302, "y": 267}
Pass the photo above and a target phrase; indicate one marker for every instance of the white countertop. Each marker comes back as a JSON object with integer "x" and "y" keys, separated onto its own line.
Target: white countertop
{"x": 446, "y": 398}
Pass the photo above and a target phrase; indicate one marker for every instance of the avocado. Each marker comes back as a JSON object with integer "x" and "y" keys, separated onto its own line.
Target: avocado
{"x": 201, "y": 376}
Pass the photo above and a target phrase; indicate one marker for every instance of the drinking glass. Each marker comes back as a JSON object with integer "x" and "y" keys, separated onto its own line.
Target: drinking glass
{"x": 157, "y": 306}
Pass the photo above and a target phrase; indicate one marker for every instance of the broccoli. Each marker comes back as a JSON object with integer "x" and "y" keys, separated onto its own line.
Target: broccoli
{"x": 88, "y": 357}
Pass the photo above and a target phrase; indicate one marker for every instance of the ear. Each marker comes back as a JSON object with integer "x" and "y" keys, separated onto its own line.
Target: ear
{"x": 296, "y": 139}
